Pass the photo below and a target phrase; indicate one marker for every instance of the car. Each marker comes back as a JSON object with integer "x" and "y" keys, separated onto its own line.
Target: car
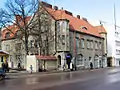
{"x": 2, "y": 74}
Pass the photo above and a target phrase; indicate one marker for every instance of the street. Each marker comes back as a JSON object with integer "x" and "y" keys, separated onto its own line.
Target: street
{"x": 98, "y": 79}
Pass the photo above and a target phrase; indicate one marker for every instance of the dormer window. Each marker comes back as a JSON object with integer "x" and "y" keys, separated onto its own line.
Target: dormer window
{"x": 7, "y": 35}
{"x": 83, "y": 27}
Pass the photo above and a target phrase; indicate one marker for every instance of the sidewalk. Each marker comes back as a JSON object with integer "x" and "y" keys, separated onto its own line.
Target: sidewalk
{"x": 14, "y": 73}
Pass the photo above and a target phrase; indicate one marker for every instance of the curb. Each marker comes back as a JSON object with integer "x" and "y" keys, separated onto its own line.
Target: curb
{"x": 55, "y": 72}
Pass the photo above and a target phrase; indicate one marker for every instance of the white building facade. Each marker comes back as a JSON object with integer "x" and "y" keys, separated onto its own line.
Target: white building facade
{"x": 113, "y": 44}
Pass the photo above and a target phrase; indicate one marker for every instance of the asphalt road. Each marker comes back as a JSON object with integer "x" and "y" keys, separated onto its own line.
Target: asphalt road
{"x": 101, "y": 79}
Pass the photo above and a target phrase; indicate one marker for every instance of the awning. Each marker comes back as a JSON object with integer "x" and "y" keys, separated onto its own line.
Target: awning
{"x": 46, "y": 57}
{"x": 3, "y": 52}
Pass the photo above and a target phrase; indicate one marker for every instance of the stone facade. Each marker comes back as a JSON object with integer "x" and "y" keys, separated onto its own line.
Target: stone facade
{"x": 88, "y": 49}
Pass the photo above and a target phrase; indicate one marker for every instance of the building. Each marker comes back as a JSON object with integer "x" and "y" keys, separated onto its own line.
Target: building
{"x": 113, "y": 44}
{"x": 77, "y": 38}
{"x": 14, "y": 45}
{"x": 71, "y": 39}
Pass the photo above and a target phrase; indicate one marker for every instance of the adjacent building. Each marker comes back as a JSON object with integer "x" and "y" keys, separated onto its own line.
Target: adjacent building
{"x": 113, "y": 44}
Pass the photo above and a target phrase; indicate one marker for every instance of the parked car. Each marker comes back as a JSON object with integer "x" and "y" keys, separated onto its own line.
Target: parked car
{"x": 2, "y": 74}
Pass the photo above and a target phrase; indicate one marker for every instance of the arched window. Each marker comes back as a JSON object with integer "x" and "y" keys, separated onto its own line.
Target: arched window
{"x": 96, "y": 61}
{"x": 7, "y": 35}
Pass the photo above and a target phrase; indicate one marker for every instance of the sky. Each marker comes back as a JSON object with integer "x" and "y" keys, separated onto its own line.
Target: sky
{"x": 93, "y": 10}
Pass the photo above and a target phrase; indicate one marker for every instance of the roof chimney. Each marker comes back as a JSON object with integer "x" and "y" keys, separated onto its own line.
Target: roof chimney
{"x": 56, "y": 7}
{"x": 78, "y": 16}
{"x": 18, "y": 18}
{"x": 46, "y": 4}
{"x": 85, "y": 19}
{"x": 67, "y": 12}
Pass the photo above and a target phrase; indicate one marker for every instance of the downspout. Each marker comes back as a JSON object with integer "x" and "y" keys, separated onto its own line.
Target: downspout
{"x": 74, "y": 45}
{"x": 74, "y": 42}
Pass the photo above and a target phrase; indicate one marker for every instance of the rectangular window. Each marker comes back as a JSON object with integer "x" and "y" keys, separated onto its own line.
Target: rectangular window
{"x": 63, "y": 39}
{"x": 32, "y": 43}
{"x": 117, "y": 43}
{"x": 96, "y": 45}
{"x": 77, "y": 43}
{"x": 36, "y": 43}
{"x": 82, "y": 43}
{"x": 88, "y": 44}
{"x": 117, "y": 52}
{"x": 91, "y": 44}
{"x": 100, "y": 45}
{"x": 18, "y": 46}
{"x": 7, "y": 47}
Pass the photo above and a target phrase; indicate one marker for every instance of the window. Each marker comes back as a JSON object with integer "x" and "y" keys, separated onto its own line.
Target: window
{"x": 83, "y": 27}
{"x": 80, "y": 60}
{"x": 7, "y": 35}
{"x": 18, "y": 46}
{"x": 117, "y": 43}
{"x": 117, "y": 52}
{"x": 82, "y": 43}
{"x": 36, "y": 43}
{"x": 7, "y": 47}
{"x": 63, "y": 39}
{"x": 96, "y": 45}
{"x": 91, "y": 44}
{"x": 88, "y": 44}
{"x": 77, "y": 44}
{"x": 116, "y": 34}
{"x": 58, "y": 27}
{"x": 63, "y": 26}
{"x": 32, "y": 43}
{"x": 100, "y": 45}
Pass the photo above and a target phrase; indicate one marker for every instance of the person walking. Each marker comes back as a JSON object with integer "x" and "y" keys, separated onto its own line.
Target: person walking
{"x": 91, "y": 65}
{"x": 31, "y": 69}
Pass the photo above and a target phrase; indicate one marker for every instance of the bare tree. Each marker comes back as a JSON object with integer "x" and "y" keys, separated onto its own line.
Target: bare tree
{"x": 19, "y": 13}
{"x": 41, "y": 29}
{"x": 39, "y": 25}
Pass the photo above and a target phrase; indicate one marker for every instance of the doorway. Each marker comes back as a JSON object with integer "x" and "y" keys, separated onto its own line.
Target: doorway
{"x": 109, "y": 61}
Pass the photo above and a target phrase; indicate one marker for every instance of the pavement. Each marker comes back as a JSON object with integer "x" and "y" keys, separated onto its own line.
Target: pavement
{"x": 19, "y": 74}
{"x": 99, "y": 79}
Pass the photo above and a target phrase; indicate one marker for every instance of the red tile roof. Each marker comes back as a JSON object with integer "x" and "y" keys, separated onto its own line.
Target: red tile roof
{"x": 46, "y": 57}
{"x": 101, "y": 29}
{"x": 13, "y": 28}
{"x": 75, "y": 23}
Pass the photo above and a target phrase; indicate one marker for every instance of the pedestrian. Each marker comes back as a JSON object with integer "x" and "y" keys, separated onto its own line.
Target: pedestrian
{"x": 91, "y": 65}
{"x": 31, "y": 69}
{"x": 3, "y": 66}
{"x": 19, "y": 65}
